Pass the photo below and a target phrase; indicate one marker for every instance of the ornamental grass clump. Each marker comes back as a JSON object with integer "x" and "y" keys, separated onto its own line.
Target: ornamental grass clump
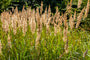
{"x": 40, "y": 34}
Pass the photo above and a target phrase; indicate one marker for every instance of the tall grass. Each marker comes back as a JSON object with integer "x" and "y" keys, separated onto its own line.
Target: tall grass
{"x": 37, "y": 35}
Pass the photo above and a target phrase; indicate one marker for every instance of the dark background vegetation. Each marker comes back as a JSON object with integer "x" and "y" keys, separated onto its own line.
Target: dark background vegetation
{"x": 9, "y": 4}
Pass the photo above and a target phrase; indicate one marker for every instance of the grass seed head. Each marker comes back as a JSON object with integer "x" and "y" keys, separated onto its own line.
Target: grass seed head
{"x": 79, "y": 3}
{"x": 79, "y": 18}
{"x": 86, "y": 10}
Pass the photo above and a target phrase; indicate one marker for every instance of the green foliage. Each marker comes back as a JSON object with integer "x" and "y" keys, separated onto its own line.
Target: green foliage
{"x": 4, "y": 4}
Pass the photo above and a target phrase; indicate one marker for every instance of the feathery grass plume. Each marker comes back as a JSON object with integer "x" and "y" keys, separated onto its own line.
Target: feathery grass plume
{"x": 33, "y": 23}
{"x": 41, "y": 8}
{"x": 71, "y": 22}
{"x": 54, "y": 17}
{"x": 0, "y": 47}
{"x": 24, "y": 20}
{"x": 74, "y": 15}
{"x": 48, "y": 23}
{"x": 87, "y": 10}
{"x": 65, "y": 21}
{"x": 57, "y": 15}
{"x": 5, "y": 22}
{"x": 8, "y": 18}
{"x": 14, "y": 23}
{"x": 80, "y": 17}
{"x": 5, "y": 19}
{"x": 29, "y": 16}
{"x": 60, "y": 20}
{"x": 19, "y": 20}
{"x": 65, "y": 33}
{"x": 28, "y": 13}
{"x": 16, "y": 11}
{"x": 38, "y": 28}
{"x": 24, "y": 25}
{"x": 70, "y": 2}
{"x": 48, "y": 20}
{"x": 59, "y": 24}
{"x": 44, "y": 17}
{"x": 79, "y": 3}
{"x": 49, "y": 11}
{"x": 68, "y": 8}
{"x": 23, "y": 9}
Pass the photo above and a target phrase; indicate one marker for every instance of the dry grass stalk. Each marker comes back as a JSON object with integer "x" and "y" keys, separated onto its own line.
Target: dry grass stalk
{"x": 80, "y": 17}
{"x": 87, "y": 10}
{"x": 79, "y": 3}
{"x": 33, "y": 23}
{"x": 41, "y": 9}
{"x": 71, "y": 22}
